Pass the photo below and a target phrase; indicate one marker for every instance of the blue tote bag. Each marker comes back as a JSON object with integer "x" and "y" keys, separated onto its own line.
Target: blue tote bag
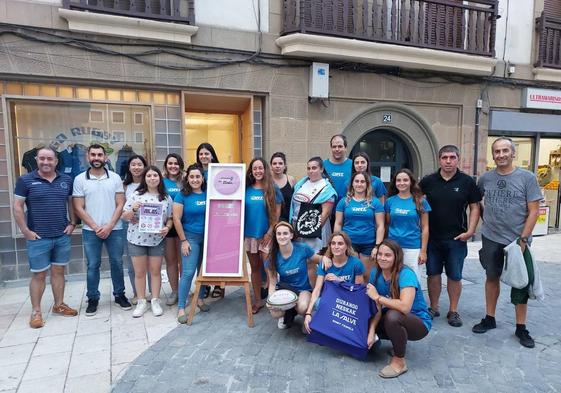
{"x": 341, "y": 321}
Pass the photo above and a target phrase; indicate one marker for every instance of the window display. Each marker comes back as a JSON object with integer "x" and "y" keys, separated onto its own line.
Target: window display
{"x": 70, "y": 127}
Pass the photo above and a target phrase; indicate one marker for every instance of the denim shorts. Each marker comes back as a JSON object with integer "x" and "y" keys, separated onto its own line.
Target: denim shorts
{"x": 42, "y": 253}
{"x": 149, "y": 251}
{"x": 364, "y": 249}
{"x": 448, "y": 255}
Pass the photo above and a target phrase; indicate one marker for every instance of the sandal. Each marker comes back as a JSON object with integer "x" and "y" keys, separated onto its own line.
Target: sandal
{"x": 203, "y": 307}
{"x": 256, "y": 308}
{"x": 390, "y": 372}
{"x": 182, "y": 318}
{"x": 217, "y": 292}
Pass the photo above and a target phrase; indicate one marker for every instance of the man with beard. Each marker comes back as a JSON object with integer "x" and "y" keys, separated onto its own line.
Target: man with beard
{"x": 47, "y": 230}
{"x": 98, "y": 201}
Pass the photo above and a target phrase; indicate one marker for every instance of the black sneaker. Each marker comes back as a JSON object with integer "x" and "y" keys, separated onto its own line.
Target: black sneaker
{"x": 454, "y": 319}
{"x": 434, "y": 313}
{"x": 123, "y": 302}
{"x": 525, "y": 339}
{"x": 484, "y": 325}
{"x": 91, "y": 310}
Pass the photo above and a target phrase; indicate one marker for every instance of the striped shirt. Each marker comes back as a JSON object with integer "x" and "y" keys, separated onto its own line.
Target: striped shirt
{"x": 47, "y": 202}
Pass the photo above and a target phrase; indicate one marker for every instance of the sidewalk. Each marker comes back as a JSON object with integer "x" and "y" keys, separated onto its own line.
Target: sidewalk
{"x": 220, "y": 354}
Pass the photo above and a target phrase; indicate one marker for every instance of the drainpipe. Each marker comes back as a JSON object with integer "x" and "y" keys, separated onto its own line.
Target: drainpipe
{"x": 478, "y": 107}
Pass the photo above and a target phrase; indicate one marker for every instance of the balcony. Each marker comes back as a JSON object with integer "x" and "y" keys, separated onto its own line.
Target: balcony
{"x": 549, "y": 32}
{"x": 395, "y": 30}
{"x": 179, "y": 11}
{"x": 161, "y": 20}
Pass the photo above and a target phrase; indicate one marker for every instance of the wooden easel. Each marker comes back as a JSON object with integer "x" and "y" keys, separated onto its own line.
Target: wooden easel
{"x": 223, "y": 282}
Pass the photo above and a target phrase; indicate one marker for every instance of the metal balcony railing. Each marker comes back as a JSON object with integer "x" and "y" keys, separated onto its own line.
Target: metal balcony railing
{"x": 179, "y": 11}
{"x": 450, "y": 25}
{"x": 549, "y": 49}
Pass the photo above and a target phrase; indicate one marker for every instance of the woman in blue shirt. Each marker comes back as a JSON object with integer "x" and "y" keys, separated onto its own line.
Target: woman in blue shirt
{"x": 173, "y": 174}
{"x": 342, "y": 266}
{"x": 397, "y": 293}
{"x": 189, "y": 211}
{"x": 287, "y": 268}
{"x": 407, "y": 219}
{"x": 263, "y": 202}
{"x": 361, "y": 163}
{"x": 361, "y": 216}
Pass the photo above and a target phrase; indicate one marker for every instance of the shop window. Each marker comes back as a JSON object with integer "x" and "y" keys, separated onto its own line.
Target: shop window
{"x": 69, "y": 128}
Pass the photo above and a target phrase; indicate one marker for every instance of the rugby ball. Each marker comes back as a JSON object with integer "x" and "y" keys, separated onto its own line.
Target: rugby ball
{"x": 283, "y": 299}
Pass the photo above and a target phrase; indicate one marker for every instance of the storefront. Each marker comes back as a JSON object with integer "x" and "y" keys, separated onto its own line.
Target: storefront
{"x": 537, "y": 136}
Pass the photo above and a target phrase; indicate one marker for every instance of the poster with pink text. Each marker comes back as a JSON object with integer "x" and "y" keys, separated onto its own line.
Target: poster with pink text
{"x": 223, "y": 249}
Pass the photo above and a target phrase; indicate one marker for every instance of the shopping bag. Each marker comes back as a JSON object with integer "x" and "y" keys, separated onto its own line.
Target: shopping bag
{"x": 341, "y": 321}
{"x": 515, "y": 273}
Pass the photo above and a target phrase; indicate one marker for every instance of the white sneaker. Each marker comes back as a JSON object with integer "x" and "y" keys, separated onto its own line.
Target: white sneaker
{"x": 140, "y": 309}
{"x": 281, "y": 325}
{"x": 156, "y": 307}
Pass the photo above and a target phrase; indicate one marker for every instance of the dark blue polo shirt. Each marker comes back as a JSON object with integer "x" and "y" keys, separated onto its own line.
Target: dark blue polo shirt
{"x": 46, "y": 202}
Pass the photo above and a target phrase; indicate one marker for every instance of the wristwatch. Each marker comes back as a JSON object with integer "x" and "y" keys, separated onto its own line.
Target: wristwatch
{"x": 524, "y": 239}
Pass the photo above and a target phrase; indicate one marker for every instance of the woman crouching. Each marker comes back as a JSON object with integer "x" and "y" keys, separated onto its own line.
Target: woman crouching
{"x": 287, "y": 268}
{"x": 397, "y": 293}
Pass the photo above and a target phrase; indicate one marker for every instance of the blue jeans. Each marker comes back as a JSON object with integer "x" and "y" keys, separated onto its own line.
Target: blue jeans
{"x": 92, "y": 247}
{"x": 190, "y": 264}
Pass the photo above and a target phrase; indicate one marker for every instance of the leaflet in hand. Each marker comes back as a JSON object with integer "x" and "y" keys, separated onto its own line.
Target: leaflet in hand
{"x": 150, "y": 218}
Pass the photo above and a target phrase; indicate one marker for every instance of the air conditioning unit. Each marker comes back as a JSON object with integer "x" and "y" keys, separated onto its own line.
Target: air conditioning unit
{"x": 319, "y": 80}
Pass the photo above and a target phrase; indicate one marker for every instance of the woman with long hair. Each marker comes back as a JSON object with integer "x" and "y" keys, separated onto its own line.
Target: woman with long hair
{"x": 206, "y": 155}
{"x": 343, "y": 266}
{"x": 287, "y": 268}
{"x": 284, "y": 182}
{"x": 173, "y": 174}
{"x": 311, "y": 205}
{"x": 361, "y": 163}
{"x": 133, "y": 176}
{"x": 262, "y": 209}
{"x": 189, "y": 211}
{"x": 407, "y": 219}
{"x": 361, "y": 216}
{"x": 146, "y": 248}
{"x": 404, "y": 313}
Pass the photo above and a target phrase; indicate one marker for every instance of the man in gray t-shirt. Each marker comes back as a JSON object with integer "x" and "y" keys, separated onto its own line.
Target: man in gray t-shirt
{"x": 511, "y": 208}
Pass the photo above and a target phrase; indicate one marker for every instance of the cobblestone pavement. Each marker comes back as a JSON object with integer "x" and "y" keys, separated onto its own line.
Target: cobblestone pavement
{"x": 219, "y": 353}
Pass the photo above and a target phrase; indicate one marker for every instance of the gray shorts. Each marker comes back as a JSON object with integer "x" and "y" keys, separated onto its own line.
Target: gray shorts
{"x": 150, "y": 251}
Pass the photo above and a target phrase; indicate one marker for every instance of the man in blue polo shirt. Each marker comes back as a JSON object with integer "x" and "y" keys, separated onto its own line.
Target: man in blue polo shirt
{"x": 46, "y": 194}
{"x": 98, "y": 200}
{"x": 339, "y": 168}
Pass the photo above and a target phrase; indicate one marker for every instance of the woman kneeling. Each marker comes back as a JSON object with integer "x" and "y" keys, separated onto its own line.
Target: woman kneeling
{"x": 287, "y": 268}
{"x": 397, "y": 293}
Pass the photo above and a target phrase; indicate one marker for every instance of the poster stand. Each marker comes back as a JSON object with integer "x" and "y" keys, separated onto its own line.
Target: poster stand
{"x": 223, "y": 257}
{"x": 223, "y": 282}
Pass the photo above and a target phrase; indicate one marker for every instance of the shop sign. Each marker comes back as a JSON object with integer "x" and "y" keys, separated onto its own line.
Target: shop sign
{"x": 541, "y": 98}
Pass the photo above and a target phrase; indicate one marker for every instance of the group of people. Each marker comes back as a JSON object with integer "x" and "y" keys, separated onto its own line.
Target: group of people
{"x": 338, "y": 223}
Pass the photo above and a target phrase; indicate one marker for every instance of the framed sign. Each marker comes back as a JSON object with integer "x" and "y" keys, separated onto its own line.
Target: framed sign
{"x": 223, "y": 249}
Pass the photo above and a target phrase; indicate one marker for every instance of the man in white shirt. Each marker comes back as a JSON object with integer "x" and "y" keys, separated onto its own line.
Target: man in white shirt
{"x": 98, "y": 201}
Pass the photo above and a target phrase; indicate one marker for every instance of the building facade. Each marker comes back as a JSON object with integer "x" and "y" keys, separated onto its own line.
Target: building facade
{"x": 403, "y": 79}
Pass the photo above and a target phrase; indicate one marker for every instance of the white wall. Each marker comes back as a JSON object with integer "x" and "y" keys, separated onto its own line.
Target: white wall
{"x": 520, "y": 17}
{"x": 232, "y": 14}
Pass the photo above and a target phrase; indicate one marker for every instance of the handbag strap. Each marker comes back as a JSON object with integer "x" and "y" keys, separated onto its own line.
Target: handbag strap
{"x": 319, "y": 192}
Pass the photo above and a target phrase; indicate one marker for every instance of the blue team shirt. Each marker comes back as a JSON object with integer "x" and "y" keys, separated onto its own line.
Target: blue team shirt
{"x": 348, "y": 272}
{"x": 256, "y": 215}
{"x": 194, "y": 209}
{"x": 339, "y": 174}
{"x": 378, "y": 187}
{"x": 294, "y": 270}
{"x": 407, "y": 278}
{"x": 172, "y": 188}
{"x": 47, "y": 213}
{"x": 405, "y": 223}
{"x": 358, "y": 219}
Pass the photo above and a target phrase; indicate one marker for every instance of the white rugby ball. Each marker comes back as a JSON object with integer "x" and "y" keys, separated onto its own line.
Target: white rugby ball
{"x": 283, "y": 299}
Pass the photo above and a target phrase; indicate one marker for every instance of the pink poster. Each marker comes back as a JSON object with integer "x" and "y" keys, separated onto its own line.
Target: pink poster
{"x": 223, "y": 240}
